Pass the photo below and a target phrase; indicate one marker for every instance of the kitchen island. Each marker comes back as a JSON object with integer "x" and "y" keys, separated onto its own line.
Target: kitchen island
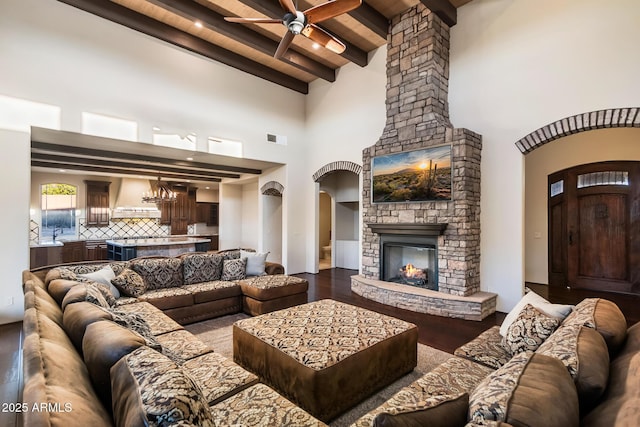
{"x": 126, "y": 249}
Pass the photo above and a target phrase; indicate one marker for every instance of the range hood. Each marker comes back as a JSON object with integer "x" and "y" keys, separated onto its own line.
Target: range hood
{"x": 129, "y": 203}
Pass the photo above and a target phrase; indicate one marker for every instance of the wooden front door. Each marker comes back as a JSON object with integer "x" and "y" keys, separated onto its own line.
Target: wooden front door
{"x": 594, "y": 224}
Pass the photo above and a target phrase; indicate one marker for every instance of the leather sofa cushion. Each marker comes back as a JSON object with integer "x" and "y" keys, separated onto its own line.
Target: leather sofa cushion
{"x": 38, "y": 298}
{"x": 621, "y": 401}
{"x": 104, "y": 343}
{"x": 58, "y": 289}
{"x": 147, "y": 387}
{"x": 90, "y": 292}
{"x": 159, "y": 273}
{"x": 584, "y": 353}
{"x": 527, "y": 391}
{"x": 605, "y": 317}
{"x": 55, "y": 373}
{"x": 202, "y": 267}
{"x": 78, "y": 316}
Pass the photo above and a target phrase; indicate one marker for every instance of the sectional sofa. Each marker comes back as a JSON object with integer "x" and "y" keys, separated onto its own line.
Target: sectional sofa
{"x": 541, "y": 371}
{"x": 95, "y": 360}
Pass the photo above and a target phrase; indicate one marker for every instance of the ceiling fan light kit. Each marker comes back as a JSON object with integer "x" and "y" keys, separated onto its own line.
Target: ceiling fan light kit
{"x": 304, "y": 22}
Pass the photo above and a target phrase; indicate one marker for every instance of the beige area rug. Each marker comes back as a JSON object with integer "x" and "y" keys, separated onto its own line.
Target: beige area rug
{"x": 218, "y": 334}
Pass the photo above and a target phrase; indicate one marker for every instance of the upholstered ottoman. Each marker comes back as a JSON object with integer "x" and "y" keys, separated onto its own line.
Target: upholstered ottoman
{"x": 264, "y": 294}
{"x": 325, "y": 356}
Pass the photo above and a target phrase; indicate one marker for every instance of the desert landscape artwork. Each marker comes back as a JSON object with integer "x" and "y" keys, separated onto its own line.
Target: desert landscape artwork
{"x": 413, "y": 176}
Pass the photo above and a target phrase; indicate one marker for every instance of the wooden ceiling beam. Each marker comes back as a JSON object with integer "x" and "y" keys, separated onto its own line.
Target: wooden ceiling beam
{"x": 83, "y": 151}
{"x": 87, "y": 168}
{"x": 86, "y": 161}
{"x": 273, "y": 10}
{"x": 214, "y": 21}
{"x": 144, "y": 24}
{"x": 372, "y": 19}
{"x": 444, "y": 9}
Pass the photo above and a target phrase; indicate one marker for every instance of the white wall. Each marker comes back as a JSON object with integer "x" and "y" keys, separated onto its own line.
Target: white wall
{"x": 342, "y": 119}
{"x": 582, "y": 148}
{"x": 517, "y": 66}
{"x": 14, "y": 216}
{"x": 249, "y": 219}
{"x": 229, "y": 228}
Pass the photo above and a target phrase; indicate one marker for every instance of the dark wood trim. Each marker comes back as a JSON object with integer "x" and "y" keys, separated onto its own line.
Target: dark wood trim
{"x": 85, "y": 161}
{"x": 87, "y": 168}
{"x": 214, "y": 21}
{"x": 68, "y": 149}
{"x": 273, "y": 10}
{"x": 444, "y": 9}
{"x": 372, "y": 19}
{"x": 408, "y": 229}
{"x": 136, "y": 21}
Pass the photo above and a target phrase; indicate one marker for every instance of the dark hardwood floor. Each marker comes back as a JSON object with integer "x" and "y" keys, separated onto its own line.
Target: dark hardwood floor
{"x": 10, "y": 371}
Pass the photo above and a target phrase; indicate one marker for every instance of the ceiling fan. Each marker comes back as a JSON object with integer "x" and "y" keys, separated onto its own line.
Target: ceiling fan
{"x": 304, "y": 22}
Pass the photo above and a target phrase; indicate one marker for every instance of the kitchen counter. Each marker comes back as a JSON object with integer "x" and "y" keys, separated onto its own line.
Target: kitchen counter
{"x": 126, "y": 249}
{"x": 158, "y": 241}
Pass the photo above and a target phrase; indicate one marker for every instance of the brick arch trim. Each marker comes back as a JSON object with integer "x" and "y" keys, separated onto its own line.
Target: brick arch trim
{"x": 337, "y": 166}
{"x": 272, "y": 188}
{"x": 610, "y": 118}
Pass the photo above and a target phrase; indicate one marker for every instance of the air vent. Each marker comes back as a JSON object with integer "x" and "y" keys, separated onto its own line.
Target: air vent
{"x": 277, "y": 139}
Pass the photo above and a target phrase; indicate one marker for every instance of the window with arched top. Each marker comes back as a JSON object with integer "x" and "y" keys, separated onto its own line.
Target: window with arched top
{"x": 58, "y": 203}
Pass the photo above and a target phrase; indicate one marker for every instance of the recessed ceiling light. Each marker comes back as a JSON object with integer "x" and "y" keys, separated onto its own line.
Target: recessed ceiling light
{"x": 198, "y": 24}
{"x": 188, "y": 180}
{"x": 207, "y": 188}
{"x": 190, "y": 158}
{"x": 155, "y": 128}
{"x": 62, "y": 170}
{"x": 316, "y": 46}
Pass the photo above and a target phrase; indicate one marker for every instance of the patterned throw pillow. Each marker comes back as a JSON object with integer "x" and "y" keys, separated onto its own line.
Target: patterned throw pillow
{"x": 130, "y": 283}
{"x": 159, "y": 273}
{"x": 199, "y": 268}
{"x": 530, "y": 329}
{"x": 434, "y": 411}
{"x": 234, "y": 269}
{"x": 149, "y": 384}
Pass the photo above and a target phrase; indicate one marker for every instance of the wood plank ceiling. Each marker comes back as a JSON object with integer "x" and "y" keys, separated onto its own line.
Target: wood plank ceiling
{"x": 198, "y": 26}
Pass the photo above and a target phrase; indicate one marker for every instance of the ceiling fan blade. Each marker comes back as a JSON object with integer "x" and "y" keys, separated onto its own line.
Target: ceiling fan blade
{"x": 253, "y": 20}
{"x": 288, "y": 6}
{"x": 284, "y": 44}
{"x": 320, "y": 36}
{"x": 330, "y": 9}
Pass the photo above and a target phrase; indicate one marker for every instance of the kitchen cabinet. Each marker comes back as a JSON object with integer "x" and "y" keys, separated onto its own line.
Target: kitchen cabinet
{"x": 95, "y": 250}
{"x": 97, "y": 203}
{"x": 73, "y": 251}
{"x": 180, "y": 214}
{"x": 207, "y": 213}
{"x": 45, "y": 255}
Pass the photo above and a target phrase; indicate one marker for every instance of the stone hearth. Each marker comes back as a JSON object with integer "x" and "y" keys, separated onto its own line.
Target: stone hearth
{"x": 417, "y": 118}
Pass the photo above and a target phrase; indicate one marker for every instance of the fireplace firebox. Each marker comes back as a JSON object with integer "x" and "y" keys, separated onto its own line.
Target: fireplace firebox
{"x": 410, "y": 260}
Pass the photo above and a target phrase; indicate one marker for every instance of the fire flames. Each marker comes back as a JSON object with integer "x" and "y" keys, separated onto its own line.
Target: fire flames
{"x": 411, "y": 271}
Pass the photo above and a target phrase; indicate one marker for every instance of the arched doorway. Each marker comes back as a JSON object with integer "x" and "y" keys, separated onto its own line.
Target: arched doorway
{"x": 584, "y": 139}
{"x": 338, "y": 215}
{"x": 272, "y": 220}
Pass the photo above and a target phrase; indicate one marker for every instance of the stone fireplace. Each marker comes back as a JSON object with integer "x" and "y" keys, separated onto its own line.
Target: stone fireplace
{"x": 446, "y": 231}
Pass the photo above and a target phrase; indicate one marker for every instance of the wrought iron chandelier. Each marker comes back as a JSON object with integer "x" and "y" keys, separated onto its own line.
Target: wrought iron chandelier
{"x": 161, "y": 193}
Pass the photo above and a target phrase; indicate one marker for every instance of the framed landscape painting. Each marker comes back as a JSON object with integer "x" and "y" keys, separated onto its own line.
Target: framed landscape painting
{"x": 412, "y": 176}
